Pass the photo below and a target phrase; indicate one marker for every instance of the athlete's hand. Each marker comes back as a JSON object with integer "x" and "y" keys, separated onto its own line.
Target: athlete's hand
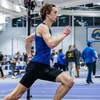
{"x": 67, "y": 30}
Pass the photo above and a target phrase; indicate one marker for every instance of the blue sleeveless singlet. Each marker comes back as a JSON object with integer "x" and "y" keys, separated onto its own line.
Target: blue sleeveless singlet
{"x": 42, "y": 54}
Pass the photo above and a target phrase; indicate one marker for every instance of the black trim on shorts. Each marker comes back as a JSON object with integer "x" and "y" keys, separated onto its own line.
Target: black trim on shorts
{"x": 36, "y": 70}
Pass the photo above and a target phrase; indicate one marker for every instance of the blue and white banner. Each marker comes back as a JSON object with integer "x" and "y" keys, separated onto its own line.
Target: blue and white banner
{"x": 93, "y": 34}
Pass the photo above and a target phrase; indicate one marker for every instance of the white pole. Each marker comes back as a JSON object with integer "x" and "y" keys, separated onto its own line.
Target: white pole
{"x": 73, "y": 32}
{"x": 12, "y": 49}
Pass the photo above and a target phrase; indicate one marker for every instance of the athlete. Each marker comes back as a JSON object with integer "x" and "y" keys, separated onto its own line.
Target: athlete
{"x": 39, "y": 66}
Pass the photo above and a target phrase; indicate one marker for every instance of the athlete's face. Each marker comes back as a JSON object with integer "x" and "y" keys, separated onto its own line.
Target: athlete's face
{"x": 53, "y": 15}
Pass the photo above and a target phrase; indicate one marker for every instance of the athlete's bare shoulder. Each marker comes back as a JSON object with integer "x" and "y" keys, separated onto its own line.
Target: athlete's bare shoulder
{"x": 42, "y": 29}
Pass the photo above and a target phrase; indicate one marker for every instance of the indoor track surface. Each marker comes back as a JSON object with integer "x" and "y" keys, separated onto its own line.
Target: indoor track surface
{"x": 43, "y": 90}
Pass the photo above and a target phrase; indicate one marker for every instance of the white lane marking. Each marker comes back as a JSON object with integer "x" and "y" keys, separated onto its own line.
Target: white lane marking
{"x": 7, "y": 90}
{"x": 52, "y": 89}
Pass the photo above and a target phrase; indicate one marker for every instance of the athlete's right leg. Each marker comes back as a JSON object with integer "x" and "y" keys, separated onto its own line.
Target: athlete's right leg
{"x": 17, "y": 93}
{"x": 66, "y": 84}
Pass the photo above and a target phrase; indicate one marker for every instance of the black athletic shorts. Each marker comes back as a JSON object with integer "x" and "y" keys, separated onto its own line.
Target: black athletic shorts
{"x": 36, "y": 70}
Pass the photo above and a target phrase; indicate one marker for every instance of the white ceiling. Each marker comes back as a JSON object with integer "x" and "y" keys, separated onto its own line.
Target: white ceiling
{"x": 15, "y": 8}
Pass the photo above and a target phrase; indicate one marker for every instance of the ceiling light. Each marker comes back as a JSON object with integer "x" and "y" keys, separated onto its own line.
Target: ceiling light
{"x": 40, "y": 0}
{"x": 2, "y": 19}
{"x": 19, "y": 20}
{"x": 10, "y": 6}
{"x": 0, "y": 13}
{"x": 98, "y": 3}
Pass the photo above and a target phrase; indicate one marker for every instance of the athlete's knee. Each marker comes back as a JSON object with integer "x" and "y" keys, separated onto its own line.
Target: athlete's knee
{"x": 70, "y": 83}
{"x": 65, "y": 79}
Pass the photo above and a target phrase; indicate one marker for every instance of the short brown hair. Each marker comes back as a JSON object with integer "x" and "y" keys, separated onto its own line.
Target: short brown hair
{"x": 60, "y": 50}
{"x": 46, "y": 8}
{"x": 69, "y": 47}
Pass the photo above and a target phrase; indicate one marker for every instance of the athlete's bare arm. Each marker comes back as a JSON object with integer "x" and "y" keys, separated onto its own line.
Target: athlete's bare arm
{"x": 28, "y": 44}
{"x": 43, "y": 30}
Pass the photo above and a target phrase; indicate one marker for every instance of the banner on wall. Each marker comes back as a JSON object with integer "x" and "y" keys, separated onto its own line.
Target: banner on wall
{"x": 93, "y": 34}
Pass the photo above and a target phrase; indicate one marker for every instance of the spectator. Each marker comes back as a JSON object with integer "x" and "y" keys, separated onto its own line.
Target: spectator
{"x": 70, "y": 58}
{"x": 1, "y": 59}
{"x": 61, "y": 60}
{"x": 77, "y": 59}
{"x": 52, "y": 55}
{"x": 88, "y": 56}
{"x": 55, "y": 65}
{"x": 95, "y": 64}
{"x": 13, "y": 65}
